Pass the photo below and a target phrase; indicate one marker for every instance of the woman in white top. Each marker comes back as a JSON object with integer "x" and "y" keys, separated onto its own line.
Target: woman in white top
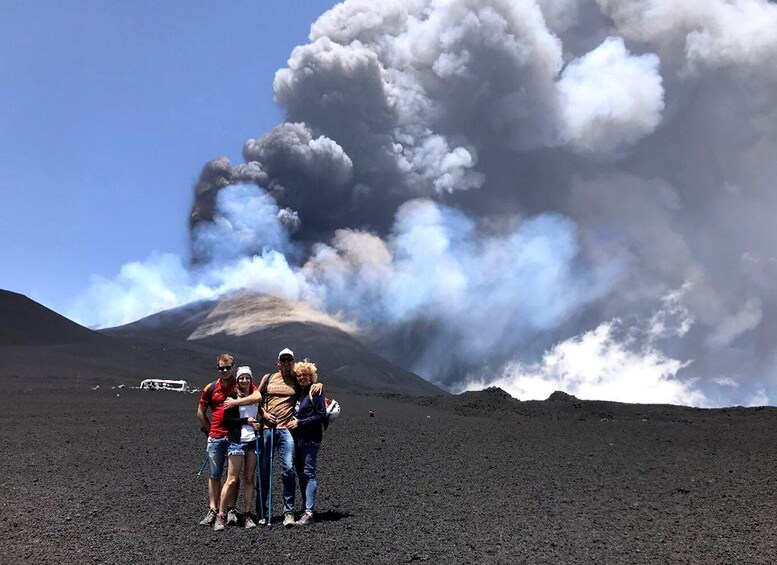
{"x": 242, "y": 424}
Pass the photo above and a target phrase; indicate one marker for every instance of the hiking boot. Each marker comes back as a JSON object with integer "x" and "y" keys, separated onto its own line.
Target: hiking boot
{"x": 231, "y": 517}
{"x": 209, "y": 518}
{"x": 288, "y": 520}
{"x": 221, "y": 523}
{"x": 305, "y": 519}
{"x": 249, "y": 521}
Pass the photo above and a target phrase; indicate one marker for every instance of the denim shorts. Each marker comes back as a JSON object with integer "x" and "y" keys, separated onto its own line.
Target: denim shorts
{"x": 241, "y": 448}
{"x": 217, "y": 454}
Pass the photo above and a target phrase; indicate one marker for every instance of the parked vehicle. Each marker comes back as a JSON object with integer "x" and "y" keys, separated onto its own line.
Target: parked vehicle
{"x": 165, "y": 384}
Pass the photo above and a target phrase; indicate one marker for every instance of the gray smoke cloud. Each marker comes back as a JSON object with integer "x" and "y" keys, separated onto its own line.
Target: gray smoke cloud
{"x": 526, "y": 193}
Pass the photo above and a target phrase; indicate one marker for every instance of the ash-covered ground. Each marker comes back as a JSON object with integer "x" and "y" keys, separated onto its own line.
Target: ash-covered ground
{"x": 109, "y": 476}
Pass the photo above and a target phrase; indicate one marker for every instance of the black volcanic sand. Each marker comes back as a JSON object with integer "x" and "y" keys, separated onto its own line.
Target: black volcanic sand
{"x": 109, "y": 476}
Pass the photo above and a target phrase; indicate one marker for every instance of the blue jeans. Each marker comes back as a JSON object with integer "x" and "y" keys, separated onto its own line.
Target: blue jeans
{"x": 217, "y": 454}
{"x": 307, "y": 455}
{"x": 283, "y": 443}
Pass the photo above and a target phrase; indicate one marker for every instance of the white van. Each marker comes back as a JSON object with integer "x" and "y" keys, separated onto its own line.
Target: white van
{"x": 165, "y": 384}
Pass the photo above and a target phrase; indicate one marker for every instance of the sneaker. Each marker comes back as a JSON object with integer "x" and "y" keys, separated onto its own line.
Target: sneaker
{"x": 221, "y": 523}
{"x": 209, "y": 518}
{"x": 288, "y": 520}
{"x": 262, "y": 522}
{"x": 231, "y": 517}
{"x": 305, "y": 519}
{"x": 249, "y": 521}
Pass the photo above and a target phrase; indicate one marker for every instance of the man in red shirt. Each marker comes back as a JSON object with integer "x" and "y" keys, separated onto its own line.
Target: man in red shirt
{"x": 212, "y": 397}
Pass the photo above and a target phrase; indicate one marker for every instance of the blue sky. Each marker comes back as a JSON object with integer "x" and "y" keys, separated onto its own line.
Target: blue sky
{"x": 108, "y": 111}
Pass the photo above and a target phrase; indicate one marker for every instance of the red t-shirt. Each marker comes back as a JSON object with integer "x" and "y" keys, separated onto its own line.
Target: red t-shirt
{"x": 213, "y": 397}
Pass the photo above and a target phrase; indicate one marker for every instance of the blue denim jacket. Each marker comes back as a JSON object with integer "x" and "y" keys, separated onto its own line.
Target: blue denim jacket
{"x": 309, "y": 414}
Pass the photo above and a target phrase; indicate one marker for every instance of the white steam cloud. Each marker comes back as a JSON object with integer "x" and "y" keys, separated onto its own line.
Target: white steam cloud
{"x": 610, "y": 98}
{"x": 611, "y": 361}
{"x": 572, "y": 194}
{"x": 598, "y": 365}
{"x": 246, "y": 243}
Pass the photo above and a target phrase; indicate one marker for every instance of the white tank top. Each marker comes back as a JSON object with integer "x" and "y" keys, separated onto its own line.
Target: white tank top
{"x": 247, "y": 432}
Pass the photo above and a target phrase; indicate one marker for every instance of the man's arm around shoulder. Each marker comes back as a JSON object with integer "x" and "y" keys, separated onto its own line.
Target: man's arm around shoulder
{"x": 253, "y": 398}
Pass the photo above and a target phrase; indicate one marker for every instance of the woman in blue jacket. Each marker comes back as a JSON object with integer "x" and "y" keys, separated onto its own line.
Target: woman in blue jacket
{"x": 307, "y": 428}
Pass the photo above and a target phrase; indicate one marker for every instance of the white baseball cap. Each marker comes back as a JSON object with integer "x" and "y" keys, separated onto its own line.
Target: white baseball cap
{"x": 286, "y": 351}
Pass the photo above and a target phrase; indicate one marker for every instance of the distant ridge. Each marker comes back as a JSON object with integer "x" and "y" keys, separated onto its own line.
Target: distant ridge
{"x": 235, "y": 314}
{"x": 26, "y": 322}
{"x": 39, "y": 347}
{"x": 256, "y": 326}
{"x": 37, "y": 343}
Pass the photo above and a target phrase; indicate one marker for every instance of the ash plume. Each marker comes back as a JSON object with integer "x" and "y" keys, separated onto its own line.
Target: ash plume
{"x": 491, "y": 189}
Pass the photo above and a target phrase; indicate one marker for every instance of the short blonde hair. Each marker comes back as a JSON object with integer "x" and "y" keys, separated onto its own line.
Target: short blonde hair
{"x": 225, "y": 358}
{"x": 305, "y": 367}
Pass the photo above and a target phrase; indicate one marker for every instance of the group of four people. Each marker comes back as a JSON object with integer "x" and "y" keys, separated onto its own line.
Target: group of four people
{"x": 283, "y": 415}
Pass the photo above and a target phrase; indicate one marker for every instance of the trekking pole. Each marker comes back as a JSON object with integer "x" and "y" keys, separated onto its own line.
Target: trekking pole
{"x": 259, "y": 503}
{"x": 269, "y": 495}
{"x": 202, "y": 467}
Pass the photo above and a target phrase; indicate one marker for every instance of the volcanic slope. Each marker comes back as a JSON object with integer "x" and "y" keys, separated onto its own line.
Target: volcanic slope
{"x": 253, "y": 326}
{"x": 44, "y": 349}
{"x": 25, "y": 322}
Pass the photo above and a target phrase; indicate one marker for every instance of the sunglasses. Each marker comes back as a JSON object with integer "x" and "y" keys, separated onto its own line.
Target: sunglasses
{"x": 287, "y": 360}
{"x": 224, "y": 368}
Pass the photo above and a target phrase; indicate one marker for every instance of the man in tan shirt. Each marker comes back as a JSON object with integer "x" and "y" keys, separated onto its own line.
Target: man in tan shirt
{"x": 280, "y": 393}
